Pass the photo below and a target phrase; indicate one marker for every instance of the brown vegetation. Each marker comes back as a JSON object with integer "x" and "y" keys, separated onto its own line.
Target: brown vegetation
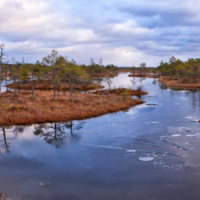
{"x": 47, "y": 85}
{"x": 185, "y": 83}
{"x": 144, "y": 75}
{"x": 121, "y": 91}
{"x": 25, "y": 109}
{"x": 104, "y": 75}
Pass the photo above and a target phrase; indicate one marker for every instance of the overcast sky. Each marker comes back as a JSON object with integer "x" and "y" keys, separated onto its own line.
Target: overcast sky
{"x": 124, "y": 33}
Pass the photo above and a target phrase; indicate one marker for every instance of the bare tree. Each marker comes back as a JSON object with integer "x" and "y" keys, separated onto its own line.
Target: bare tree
{"x": 109, "y": 82}
{"x": 100, "y": 62}
{"x": 91, "y": 61}
{"x": 2, "y": 53}
{"x": 143, "y": 67}
{"x": 7, "y": 71}
{"x": 23, "y": 60}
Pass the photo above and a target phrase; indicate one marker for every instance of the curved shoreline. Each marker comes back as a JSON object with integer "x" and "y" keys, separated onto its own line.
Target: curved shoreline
{"x": 24, "y": 109}
{"x": 178, "y": 84}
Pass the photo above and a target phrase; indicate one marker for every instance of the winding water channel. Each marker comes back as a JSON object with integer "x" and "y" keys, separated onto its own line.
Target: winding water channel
{"x": 147, "y": 152}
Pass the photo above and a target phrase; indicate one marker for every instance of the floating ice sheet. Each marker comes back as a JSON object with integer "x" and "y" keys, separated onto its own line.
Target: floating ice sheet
{"x": 177, "y": 129}
{"x": 190, "y": 135}
{"x": 176, "y": 135}
{"x": 131, "y": 151}
{"x": 146, "y": 159}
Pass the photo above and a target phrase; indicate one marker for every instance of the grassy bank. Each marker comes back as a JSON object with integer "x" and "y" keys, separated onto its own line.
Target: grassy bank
{"x": 104, "y": 75}
{"x": 184, "y": 83}
{"x": 47, "y": 85}
{"x": 144, "y": 75}
{"x": 121, "y": 92}
{"x": 25, "y": 109}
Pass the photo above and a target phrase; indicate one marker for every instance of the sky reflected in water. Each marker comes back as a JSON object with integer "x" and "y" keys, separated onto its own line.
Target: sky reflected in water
{"x": 98, "y": 158}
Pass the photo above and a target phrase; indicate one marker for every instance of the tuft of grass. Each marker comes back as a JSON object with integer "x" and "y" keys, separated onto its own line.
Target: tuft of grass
{"x": 25, "y": 109}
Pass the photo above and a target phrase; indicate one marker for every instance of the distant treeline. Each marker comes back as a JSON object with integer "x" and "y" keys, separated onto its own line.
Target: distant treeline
{"x": 176, "y": 67}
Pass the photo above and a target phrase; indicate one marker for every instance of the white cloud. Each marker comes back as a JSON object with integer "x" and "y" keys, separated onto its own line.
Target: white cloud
{"x": 123, "y": 33}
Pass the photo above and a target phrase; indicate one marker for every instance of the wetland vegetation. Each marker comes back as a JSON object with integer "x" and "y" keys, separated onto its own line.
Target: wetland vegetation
{"x": 175, "y": 73}
{"x": 49, "y": 91}
{"x": 56, "y": 141}
{"x": 24, "y": 109}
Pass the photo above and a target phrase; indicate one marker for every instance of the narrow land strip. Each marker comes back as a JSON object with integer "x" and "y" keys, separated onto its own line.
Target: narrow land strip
{"x": 25, "y": 109}
{"x": 183, "y": 83}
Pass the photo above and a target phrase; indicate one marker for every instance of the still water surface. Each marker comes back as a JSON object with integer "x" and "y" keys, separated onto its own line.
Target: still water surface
{"x": 146, "y": 152}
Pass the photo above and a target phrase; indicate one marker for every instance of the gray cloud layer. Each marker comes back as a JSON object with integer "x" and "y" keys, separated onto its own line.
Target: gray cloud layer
{"x": 121, "y": 32}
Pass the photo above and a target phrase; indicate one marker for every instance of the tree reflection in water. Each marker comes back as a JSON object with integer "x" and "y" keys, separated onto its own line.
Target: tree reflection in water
{"x": 154, "y": 81}
{"x": 7, "y": 135}
{"x": 55, "y": 133}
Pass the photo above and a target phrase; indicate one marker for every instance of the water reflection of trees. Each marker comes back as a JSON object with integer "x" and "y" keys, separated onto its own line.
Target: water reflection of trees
{"x": 154, "y": 81}
{"x": 137, "y": 81}
{"x": 55, "y": 133}
{"x": 8, "y": 133}
{"x": 162, "y": 86}
{"x": 193, "y": 94}
{"x": 97, "y": 79}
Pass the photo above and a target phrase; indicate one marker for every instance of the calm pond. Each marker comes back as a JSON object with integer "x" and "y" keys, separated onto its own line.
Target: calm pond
{"x": 147, "y": 152}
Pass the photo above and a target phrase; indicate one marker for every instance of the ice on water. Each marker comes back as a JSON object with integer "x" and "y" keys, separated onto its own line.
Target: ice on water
{"x": 146, "y": 159}
{"x": 176, "y": 135}
{"x": 131, "y": 151}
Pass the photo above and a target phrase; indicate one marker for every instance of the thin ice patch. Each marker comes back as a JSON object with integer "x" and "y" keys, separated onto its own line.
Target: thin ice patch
{"x": 131, "y": 151}
{"x": 189, "y": 117}
{"x": 176, "y": 135}
{"x": 190, "y": 135}
{"x": 174, "y": 130}
{"x": 194, "y": 119}
{"x": 146, "y": 159}
{"x": 180, "y": 146}
{"x": 155, "y": 122}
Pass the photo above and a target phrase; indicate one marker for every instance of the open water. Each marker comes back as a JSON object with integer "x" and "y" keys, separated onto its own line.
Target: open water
{"x": 147, "y": 152}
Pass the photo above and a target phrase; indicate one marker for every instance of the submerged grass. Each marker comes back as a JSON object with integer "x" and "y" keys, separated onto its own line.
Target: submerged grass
{"x": 25, "y": 109}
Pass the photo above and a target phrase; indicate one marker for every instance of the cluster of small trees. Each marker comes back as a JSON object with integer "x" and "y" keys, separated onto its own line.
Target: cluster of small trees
{"x": 96, "y": 68}
{"x": 176, "y": 67}
{"x": 141, "y": 70}
{"x": 54, "y": 68}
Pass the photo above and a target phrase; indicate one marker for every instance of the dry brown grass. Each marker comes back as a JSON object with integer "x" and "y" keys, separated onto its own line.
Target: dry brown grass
{"x": 104, "y": 75}
{"x": 25, "y": 109}
{"x": 47, "y": 85}
{"x": 184, "y": 83}
{"x": 120, "y": 91}
{"x": 144, "y": 75}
